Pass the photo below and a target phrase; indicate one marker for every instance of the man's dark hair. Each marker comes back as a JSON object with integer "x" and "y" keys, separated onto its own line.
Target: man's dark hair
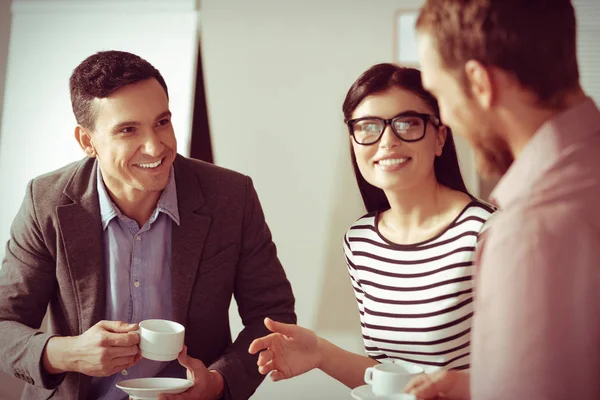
{"x": 103, "y": 73}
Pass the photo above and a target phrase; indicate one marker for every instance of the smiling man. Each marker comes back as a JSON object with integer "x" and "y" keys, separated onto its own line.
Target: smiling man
{"x": 132, "y": 232}
{"x": 506, "y": 76}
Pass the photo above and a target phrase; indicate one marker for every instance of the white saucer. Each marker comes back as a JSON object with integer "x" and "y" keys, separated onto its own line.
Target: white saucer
{"x": 365, "y": 393}
{"x": 152, "y": 388}
{"x": 158, "y": 356}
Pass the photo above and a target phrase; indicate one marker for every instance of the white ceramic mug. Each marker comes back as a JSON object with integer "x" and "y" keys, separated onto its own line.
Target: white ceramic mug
{"x": 390, "y": 379}
{"x": 160, "y": 339}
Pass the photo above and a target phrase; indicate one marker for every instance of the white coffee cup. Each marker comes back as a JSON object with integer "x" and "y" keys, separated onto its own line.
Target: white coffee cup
{"x": 390, "y": 379}
{"x": 160, "y": 339}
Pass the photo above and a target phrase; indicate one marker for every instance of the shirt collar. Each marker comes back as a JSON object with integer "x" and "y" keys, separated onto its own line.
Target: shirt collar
{"x": 167, "y": 203}
{"x": 544, "y": 149}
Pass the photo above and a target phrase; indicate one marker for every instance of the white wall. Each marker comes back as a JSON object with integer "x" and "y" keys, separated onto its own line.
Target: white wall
{"x": 4, "y": 38}
{"x": 10, "y": 387}
{"x": 588, "y": 49}
{"x": 276, "y": 74}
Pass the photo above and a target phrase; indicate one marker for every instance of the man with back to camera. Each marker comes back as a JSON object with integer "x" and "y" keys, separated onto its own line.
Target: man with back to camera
{"x": 506, "y": 76}
{"x": 133, "y": 232}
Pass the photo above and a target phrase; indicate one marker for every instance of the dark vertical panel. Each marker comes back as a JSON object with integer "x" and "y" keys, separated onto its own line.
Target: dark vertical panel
{"x": 200, "y": 146}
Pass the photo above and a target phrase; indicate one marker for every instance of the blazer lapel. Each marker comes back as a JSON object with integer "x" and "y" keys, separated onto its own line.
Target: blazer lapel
{"x": 81, "y": 229}
{"x": 187, "y": 239}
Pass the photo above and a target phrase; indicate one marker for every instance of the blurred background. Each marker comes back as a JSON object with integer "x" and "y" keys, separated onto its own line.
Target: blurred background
{"x": 255, "y": 86}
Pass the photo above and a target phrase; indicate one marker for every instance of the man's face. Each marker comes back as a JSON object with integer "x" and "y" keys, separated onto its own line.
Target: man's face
{"x": 462, "y": 113}
{"x": 133, "y": 138}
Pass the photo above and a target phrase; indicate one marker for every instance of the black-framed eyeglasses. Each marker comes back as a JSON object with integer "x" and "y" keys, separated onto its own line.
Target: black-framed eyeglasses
{"x": 408, "y": 126}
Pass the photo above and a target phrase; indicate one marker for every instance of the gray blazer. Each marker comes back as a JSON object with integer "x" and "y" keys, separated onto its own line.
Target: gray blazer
{"x": 54, "y": 260}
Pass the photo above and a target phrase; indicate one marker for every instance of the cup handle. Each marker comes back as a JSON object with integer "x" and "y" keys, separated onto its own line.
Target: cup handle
{"x": 139, "y": 332}
{"x": 369, "y": 375}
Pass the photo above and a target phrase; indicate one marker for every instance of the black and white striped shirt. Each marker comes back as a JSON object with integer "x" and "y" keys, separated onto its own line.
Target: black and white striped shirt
{"x": 416, "y": 301}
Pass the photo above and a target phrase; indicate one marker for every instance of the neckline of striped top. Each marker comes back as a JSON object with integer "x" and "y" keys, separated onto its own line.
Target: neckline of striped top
{"x": 417, "y": 246}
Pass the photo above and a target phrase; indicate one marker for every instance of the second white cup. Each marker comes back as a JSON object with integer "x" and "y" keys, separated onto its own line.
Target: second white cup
{"x": 390, "y": 379}
{"x": 161, "y": 339}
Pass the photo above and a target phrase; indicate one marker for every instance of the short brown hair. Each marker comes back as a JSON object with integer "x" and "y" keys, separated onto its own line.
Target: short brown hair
{"x": 103, "y": 73}
{"x": 533, "y": 39}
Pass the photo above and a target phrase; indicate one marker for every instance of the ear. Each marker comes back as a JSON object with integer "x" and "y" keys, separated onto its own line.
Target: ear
{"x": 480, "y": 83}
{"x": 84, "y": 139}
{"x": 440, "y": 139}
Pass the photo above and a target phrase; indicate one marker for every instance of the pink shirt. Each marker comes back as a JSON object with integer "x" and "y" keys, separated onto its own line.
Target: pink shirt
{"x": 536, "y": 329}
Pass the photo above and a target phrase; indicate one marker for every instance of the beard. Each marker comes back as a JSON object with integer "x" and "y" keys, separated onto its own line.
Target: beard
{"x": 492, "y": 157}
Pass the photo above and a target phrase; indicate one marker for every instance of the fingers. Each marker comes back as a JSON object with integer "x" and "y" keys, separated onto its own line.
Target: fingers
{"x": 125, "y": 353}
{"x": 425, "y": 392}
{"x": 125, "y": 363}
{"x": 121, "y": 339}
{"x": 261, "y": 343}
{"x": 280, "y": 327}
{"x": 416, "y": 382}
{"x": 265, "y": 369}
{"x": 187, "y": 395}
{"x": 192, "y": 364}
{"x": 264, "y": 357}
{"x": 182, "y": 396}
{"x": 192, "y": 393}
{"x": 277, "y": 376}
{"x": 185, "y": 360}
{"x": 117, "y": 326}
{"x": 265, "y": 362}
{"x": 431, "y": 386}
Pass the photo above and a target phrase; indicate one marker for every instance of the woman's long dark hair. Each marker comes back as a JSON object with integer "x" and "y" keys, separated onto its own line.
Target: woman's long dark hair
{"x": 380, "y": 78}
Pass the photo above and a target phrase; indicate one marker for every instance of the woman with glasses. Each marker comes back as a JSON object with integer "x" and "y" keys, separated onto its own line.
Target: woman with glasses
{"x": 410, "y": 258}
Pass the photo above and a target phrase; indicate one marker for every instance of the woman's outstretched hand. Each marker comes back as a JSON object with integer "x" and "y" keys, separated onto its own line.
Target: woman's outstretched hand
{"x": 289, "y": 351}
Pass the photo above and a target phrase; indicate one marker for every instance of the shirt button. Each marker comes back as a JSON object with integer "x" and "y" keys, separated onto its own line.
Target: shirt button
{"x": 124, "y": 372}
{"x": 136, "y": 284}
{"x": 138, "y": 238}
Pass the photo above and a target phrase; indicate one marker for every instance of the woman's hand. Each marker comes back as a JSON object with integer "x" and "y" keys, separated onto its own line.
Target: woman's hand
{"x": 289, "y": 351}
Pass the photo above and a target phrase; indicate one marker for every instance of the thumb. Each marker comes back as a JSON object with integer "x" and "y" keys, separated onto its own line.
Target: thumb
{"x": 117, "y": 326}
{"x": 188, "y": 362}
{"x": 277, "y": 376}
{"x": 289, "y": 330}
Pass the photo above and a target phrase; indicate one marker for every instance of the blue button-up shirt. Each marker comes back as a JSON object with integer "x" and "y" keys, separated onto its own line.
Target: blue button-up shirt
{"x": 138, "y": 275}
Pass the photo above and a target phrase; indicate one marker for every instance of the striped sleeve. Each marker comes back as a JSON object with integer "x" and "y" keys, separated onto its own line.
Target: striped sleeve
{"x": 359, "y": 294}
